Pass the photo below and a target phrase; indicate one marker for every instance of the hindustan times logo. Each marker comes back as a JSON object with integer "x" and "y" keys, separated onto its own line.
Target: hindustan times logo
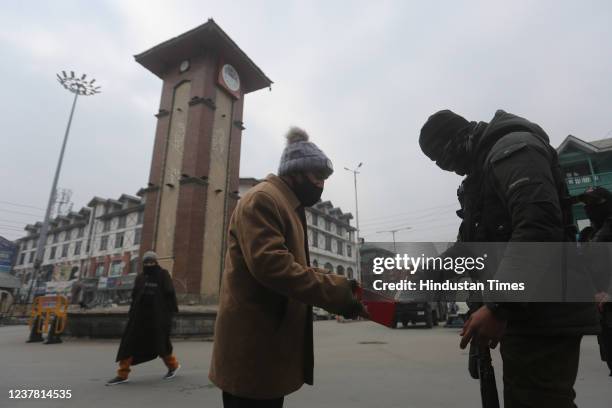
{"x": 459, "y": 265}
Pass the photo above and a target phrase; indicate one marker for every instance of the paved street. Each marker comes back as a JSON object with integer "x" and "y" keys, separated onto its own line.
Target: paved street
{"x": 357, "y": 365}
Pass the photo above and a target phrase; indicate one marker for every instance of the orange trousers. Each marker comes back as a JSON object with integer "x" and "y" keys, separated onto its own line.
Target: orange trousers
{"x": 124, "y": 365}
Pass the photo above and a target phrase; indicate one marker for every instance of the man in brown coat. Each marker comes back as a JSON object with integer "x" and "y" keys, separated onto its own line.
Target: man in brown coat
{"x": 263, "y": 346}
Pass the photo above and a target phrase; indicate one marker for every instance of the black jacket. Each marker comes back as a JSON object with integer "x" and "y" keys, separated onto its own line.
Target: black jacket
{"x": 515, "y": 193}
{"x": 147, "y": 334}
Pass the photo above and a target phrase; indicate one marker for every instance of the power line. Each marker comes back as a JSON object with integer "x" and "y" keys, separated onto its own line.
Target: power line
{"x": 413, "y": 222}
{"x": 21, "y": 205}
{"x": 12, "y": 222}
{"x": 19, "y": 212}
{"x": 410, "y": 212}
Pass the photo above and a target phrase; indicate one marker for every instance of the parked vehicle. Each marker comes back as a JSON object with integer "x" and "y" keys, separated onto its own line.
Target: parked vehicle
{"x": 418, "y": 307}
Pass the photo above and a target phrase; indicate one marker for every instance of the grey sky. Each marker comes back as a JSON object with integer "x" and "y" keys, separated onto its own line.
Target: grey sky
{"x": 360, "y": 77}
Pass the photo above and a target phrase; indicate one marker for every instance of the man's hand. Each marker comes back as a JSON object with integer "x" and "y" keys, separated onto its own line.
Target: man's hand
{"x": 364, "y": 312}
{"x": 483, "y": 324}
{"x": 601, "y": 299}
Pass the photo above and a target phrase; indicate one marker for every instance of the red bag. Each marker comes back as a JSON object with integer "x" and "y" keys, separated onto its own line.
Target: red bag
{"x": 380, "y": 308}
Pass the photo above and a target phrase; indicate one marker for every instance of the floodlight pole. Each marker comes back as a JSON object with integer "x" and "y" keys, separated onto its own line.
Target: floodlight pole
{"x": 357, "y": 246}
{"x": 78, "y": 86}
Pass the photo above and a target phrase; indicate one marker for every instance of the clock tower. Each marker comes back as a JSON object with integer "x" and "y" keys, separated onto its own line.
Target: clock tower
{"x": 193, "y": 181}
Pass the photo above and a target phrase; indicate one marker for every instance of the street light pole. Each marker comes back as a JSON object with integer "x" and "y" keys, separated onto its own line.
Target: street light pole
{"x": 393, "y": 232}
{"x": 78, "y": 86}
{"x": 357, "y": 249}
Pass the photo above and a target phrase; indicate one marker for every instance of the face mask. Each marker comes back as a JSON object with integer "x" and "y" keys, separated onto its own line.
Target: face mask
{"x": 149, "y": 269}
{"x": 456, "y": 155}
{"x": 307, "y": 192}
{"x": 597, "y": 213}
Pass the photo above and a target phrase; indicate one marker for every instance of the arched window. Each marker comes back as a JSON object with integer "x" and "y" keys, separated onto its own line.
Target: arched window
{"x": 329, "y": 267}
{"x": 315, "y": 263}
{"x": 340, "y": 270}
{"x": 349, "y": 272}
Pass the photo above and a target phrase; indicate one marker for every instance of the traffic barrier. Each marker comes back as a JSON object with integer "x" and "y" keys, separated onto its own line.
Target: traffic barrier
{"x": 48, "y": 315}
{"x": 35, "y": 331}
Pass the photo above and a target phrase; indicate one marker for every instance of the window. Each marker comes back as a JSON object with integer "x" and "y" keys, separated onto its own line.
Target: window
{"x": 328, "y": 266}
{"x": 340, "y": 247}
{"x": 52, "y": 254}
{"x": 77, "y": 247}
{"x": 106, "y": 226}
{"x": 140, "y": 217}
{"x": 134, "y": 265}
{"x": 99, "y": 270}
{"x": 340, "y": 270}
{"x": 22, "y": 258}
{"x": 315, "y": 263}
{"x": 349, "y": 251}
{"x": 24, "y": 245}
{"x": 55, "y": 238}
{"x": 121, "y": 222}
{"x": 137, "y": 236}
{"x": 328, "y": 243}
{"x": 327, "y": 225}
{"x": 68, "y": 235}
{"x": 119, "y": 240}
{"x": 81, "y": 232}
{"x": 65, "y": 250}
{"x": 339, "y": 230}
{"x": 104, "y": 243}
{"x": 31, "y": 259}
{"x": 315, "y": 219}
{"x": 116, "y": 268}
{"x": 349, "y": 272}
{"x": 315, "y": 239}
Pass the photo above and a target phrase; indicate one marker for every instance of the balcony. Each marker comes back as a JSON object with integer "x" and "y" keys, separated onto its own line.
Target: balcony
{"x": 579, "y": 184}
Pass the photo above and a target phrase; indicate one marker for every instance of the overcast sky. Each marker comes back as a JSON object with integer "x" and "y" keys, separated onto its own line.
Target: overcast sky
{"x": 360, "y": 77}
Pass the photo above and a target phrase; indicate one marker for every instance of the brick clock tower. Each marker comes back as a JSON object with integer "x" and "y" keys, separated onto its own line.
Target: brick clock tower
{"x": 193, "y": 183}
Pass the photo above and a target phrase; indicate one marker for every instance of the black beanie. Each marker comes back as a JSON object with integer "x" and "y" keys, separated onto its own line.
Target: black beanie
{"x": 438, "y": 130}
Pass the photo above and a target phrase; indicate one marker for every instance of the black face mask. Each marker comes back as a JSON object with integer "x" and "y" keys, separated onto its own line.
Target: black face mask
{"x": 597, "y": 213}
{"x": 457, "y": 153}
{"x": 150, "y": 269}
{"x": 307, "y": 192}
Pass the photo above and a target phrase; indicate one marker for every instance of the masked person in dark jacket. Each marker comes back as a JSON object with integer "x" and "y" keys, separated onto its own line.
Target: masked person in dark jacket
{"x": 147, "y": 334}
{"x": 514, "y": 192}
{"x": 598, "y": 207}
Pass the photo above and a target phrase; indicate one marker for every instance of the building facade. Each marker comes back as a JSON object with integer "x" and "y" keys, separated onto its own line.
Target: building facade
{"x": 98, "y": 244}
{"x": 585, "y": 164}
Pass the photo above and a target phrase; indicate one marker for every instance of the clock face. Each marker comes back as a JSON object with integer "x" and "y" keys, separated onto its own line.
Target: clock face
{"x": 184, "y": 66}
{"x": 230, "y": 77}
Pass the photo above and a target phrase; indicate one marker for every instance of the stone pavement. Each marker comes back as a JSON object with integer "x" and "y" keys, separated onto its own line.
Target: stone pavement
{"x": 357, "y": 364}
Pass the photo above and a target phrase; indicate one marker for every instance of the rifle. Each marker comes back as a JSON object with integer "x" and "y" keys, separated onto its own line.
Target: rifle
{"x": 480, "y": 368}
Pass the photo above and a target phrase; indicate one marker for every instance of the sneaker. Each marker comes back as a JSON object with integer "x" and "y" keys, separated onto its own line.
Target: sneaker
{"x": 171, "y": 373}
{"x": 116, "y": 380}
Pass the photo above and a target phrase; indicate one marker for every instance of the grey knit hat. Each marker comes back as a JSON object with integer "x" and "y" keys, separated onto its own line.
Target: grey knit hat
{"x": 301, "y": 156}
{"x": 149, "y": 256}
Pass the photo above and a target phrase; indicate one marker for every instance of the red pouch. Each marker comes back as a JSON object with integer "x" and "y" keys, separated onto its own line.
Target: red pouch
{"x": 380, "y": 308}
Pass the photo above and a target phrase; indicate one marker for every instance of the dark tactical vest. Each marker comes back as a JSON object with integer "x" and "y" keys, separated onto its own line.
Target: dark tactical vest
{"x": 484, "y": 214}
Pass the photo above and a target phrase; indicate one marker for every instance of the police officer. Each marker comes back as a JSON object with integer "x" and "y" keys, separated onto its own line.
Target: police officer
{"x": 598, "y": 207}
{"x": 514, "y": 192}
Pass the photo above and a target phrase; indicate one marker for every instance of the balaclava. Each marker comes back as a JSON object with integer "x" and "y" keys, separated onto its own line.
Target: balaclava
{"x": 448, "y": 139}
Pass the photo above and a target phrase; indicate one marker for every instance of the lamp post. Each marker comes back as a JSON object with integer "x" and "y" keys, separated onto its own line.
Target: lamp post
{"x": 78, "y": 86}
{"x": 357, "y": 251}
{"x": 393, "y": 232}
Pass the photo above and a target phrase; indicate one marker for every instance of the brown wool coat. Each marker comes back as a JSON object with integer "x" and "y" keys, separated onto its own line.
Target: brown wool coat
{"x": 263, "y": 335}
